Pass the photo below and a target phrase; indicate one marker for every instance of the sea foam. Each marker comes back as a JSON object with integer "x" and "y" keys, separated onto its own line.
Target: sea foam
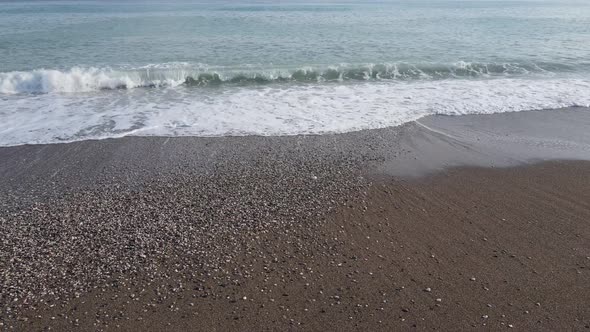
{"x": 76, "y": 80}
{"x": 289, "y": 109}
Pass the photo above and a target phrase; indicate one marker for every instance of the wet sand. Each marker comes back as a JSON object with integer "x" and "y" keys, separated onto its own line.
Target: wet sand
{"x": 397, "y": 228}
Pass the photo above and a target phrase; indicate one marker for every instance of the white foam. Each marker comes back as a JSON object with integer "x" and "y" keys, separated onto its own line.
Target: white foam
{"x": 76, "y": 80}
{"x": 270, "y": 110}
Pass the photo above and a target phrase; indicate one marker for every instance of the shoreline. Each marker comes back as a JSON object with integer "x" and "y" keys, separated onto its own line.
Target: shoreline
{"x": 428, "y": 118}
{"x": 148, "y": 233}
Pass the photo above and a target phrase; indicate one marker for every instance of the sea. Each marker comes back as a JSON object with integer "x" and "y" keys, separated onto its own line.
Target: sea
{"x": 94, "y": 69}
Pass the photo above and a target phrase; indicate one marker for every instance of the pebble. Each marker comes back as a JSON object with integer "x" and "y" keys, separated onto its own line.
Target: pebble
{"x": 250, "y": 199}
{"x": 107, "y": 225}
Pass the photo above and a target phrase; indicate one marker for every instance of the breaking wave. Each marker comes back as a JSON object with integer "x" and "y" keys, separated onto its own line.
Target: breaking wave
{"x": 79, "y": 79}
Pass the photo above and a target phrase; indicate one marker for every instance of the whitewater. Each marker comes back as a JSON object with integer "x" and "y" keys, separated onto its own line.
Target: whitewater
{"x": 78, "y": 70}
{"x": 178, "y": 109}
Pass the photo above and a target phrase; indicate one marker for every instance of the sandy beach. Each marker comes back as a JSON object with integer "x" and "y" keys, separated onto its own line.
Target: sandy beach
{"x": 446, "y": 223}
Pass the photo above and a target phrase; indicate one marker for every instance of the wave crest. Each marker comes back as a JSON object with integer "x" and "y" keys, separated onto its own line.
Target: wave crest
{"x": 79, "y": 79}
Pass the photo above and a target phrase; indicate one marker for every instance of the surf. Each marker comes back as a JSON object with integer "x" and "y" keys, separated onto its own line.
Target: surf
{"x": 271, "y": 110}
{"x": 81, "y": 79}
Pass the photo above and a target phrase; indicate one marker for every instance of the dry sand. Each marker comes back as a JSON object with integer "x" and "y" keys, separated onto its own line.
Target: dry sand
{"x": 362, "y": 231}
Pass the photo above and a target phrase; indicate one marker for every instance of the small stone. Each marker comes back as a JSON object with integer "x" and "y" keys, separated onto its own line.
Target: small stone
{"x": 428, "y": 289}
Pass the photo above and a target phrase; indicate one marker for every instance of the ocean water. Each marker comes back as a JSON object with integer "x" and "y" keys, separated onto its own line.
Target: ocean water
{"x": 75, "y": 70}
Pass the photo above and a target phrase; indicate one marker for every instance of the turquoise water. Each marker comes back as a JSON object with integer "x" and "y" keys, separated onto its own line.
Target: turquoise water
{"x": 72, "y": 70}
